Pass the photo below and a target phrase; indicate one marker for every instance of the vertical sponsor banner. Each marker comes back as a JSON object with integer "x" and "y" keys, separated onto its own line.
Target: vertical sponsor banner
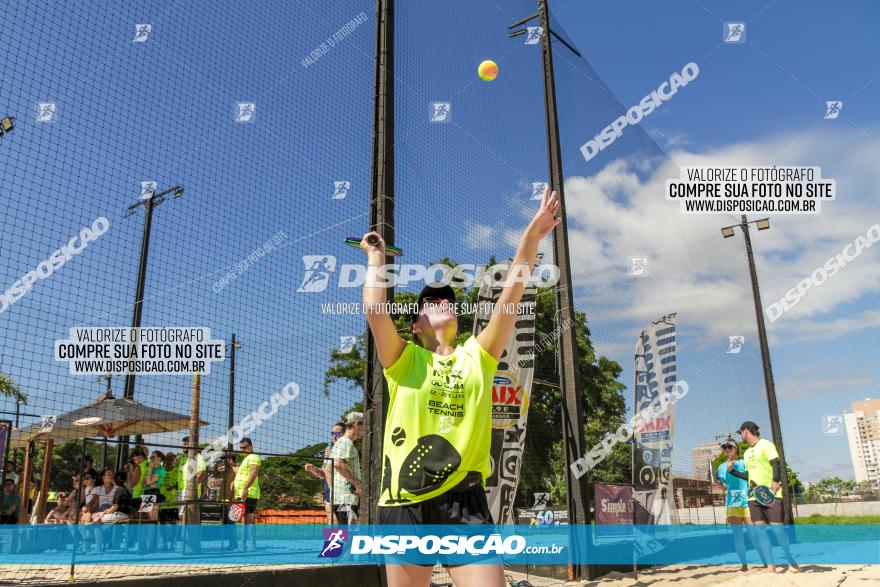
{"x": 511, "y": 390}
{"x": 5, "y": 438}
{"x": 655, "y": 373}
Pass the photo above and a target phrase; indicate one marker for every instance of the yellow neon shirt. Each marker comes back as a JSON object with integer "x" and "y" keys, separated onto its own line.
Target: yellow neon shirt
{"x": 243, "y": 474}
{"x": 439, "y": 424}
{"x": 757, "y": 459}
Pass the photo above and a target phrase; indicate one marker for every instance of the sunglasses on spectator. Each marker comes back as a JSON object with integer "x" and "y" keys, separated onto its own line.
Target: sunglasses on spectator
{"x": 336, "y": 434}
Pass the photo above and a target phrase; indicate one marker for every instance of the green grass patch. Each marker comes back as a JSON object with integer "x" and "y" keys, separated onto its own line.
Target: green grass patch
{"x": 820, "y": 519}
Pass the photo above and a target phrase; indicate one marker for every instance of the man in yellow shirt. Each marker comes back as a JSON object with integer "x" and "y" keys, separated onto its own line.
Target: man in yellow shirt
{"x": 246, "y": 488}
{"x": 764, "y": 469}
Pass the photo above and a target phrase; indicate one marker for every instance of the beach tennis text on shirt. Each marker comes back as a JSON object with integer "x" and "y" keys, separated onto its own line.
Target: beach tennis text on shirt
{"x": 168, "y": 350}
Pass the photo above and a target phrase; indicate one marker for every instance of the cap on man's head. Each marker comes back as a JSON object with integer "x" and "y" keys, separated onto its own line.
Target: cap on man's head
{"x": 353, "y": 417}
{"x": 748, "y": 425}
{"x": 443, "y": 292}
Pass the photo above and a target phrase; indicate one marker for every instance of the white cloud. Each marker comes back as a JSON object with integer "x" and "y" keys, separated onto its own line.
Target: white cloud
{"x": 621, "y": 212}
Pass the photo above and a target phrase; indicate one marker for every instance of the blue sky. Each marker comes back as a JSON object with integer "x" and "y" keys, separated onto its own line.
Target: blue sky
{"x": 163, "y": 110}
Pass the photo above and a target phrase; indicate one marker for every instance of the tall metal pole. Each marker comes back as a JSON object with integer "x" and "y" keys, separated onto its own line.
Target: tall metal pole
{"x": 17, "y": 417}
{"x": 230, "y": 422}
{"x": 122, "y": 448}
{"x": 382, "y": 221}
{"x": 108, "y": 392}
{"x": 572, "y": 405}
{"x": 775, "y": 426}
{"x": 192, "y": 509}
{"x": 139, "y": 291}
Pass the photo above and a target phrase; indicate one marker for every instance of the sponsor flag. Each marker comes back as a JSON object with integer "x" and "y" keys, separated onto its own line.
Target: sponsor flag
{"x": 655, "y": 373}
{"x": 614, "y": 504}
{"x": 510, "y": 397}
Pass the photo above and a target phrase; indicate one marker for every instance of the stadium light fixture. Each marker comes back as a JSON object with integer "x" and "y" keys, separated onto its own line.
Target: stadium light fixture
{"x": 769, "y": 385}
{"x": 149, "y": 204}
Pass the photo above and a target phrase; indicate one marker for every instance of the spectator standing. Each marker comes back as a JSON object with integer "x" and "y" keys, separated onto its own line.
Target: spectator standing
{"x": 154, "y": 480}
{"x": 190, "y": 474}
{"x": 246, "y": 488}
{"x": 326, "y": 471}
{"x": 347, "y": 470}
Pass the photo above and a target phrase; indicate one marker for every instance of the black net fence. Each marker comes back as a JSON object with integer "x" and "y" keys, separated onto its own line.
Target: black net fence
{"x": 236, "y": 142}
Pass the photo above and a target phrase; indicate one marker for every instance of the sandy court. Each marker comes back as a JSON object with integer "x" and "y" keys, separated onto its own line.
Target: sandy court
{"x": 673, "y": 575}
{"x": 698, "y": 575}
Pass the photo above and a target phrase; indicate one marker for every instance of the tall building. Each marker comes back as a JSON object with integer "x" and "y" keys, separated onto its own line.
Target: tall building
{"x": 863, "y": 433}
{"x": 701, "y": 456}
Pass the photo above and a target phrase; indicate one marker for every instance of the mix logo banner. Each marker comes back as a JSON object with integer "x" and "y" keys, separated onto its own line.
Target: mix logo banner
{"x": 510, "y": 397}
{"x": 655, "y": 372}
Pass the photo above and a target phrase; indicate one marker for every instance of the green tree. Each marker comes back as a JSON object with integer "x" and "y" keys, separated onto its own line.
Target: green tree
{"x": 284, "y": 482}
{"x": 602, "y": 395}
{"x": 867, "y": 491}
{"x": 833, "y": 487}
{"x": 9, "y": 388}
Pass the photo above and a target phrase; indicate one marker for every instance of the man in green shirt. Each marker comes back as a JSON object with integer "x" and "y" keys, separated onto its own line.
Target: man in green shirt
{"x": 246, "y": 488}
{"x": 439, "y": 425}
{"x": 763, "y": 468}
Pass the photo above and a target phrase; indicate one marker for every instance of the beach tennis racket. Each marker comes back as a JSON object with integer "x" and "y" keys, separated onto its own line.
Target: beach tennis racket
{"x": 236, "y": 511}
{"x": 763, "y": 495}
{"x": 355, "y": 242}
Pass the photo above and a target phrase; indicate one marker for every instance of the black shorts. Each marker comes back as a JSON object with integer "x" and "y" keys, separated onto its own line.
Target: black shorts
{"x": 250, "y": 505}
{"x": 463, "y": 504}
{"x": 772, "y": 514}
{"x": 345, "y": 516}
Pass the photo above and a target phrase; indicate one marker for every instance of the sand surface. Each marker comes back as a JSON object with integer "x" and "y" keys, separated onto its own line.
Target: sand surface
{"x": 673, "y": 575}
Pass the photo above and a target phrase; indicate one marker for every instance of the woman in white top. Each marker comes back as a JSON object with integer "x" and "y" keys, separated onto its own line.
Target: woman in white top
{"x": 100, "y": 498}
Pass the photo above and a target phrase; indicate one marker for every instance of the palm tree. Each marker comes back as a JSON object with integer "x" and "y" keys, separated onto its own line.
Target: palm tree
{"x": 9, "y": 388}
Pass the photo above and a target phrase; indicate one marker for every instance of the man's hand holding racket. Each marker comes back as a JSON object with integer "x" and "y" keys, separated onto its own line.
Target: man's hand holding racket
{"x": 763, "y": 494}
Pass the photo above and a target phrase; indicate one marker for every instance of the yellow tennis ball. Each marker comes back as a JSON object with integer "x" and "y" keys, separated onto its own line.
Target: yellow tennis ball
{"x": 488, "y": 70}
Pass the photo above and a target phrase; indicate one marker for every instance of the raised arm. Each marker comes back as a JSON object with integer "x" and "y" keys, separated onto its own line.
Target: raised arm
{"x": 494, "y": 337}
{"x": 388, "y": 341}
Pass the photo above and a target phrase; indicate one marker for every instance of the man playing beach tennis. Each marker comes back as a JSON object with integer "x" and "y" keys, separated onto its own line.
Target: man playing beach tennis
{"x": 438, "y": 431}
{"x": 763, "y": 469}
